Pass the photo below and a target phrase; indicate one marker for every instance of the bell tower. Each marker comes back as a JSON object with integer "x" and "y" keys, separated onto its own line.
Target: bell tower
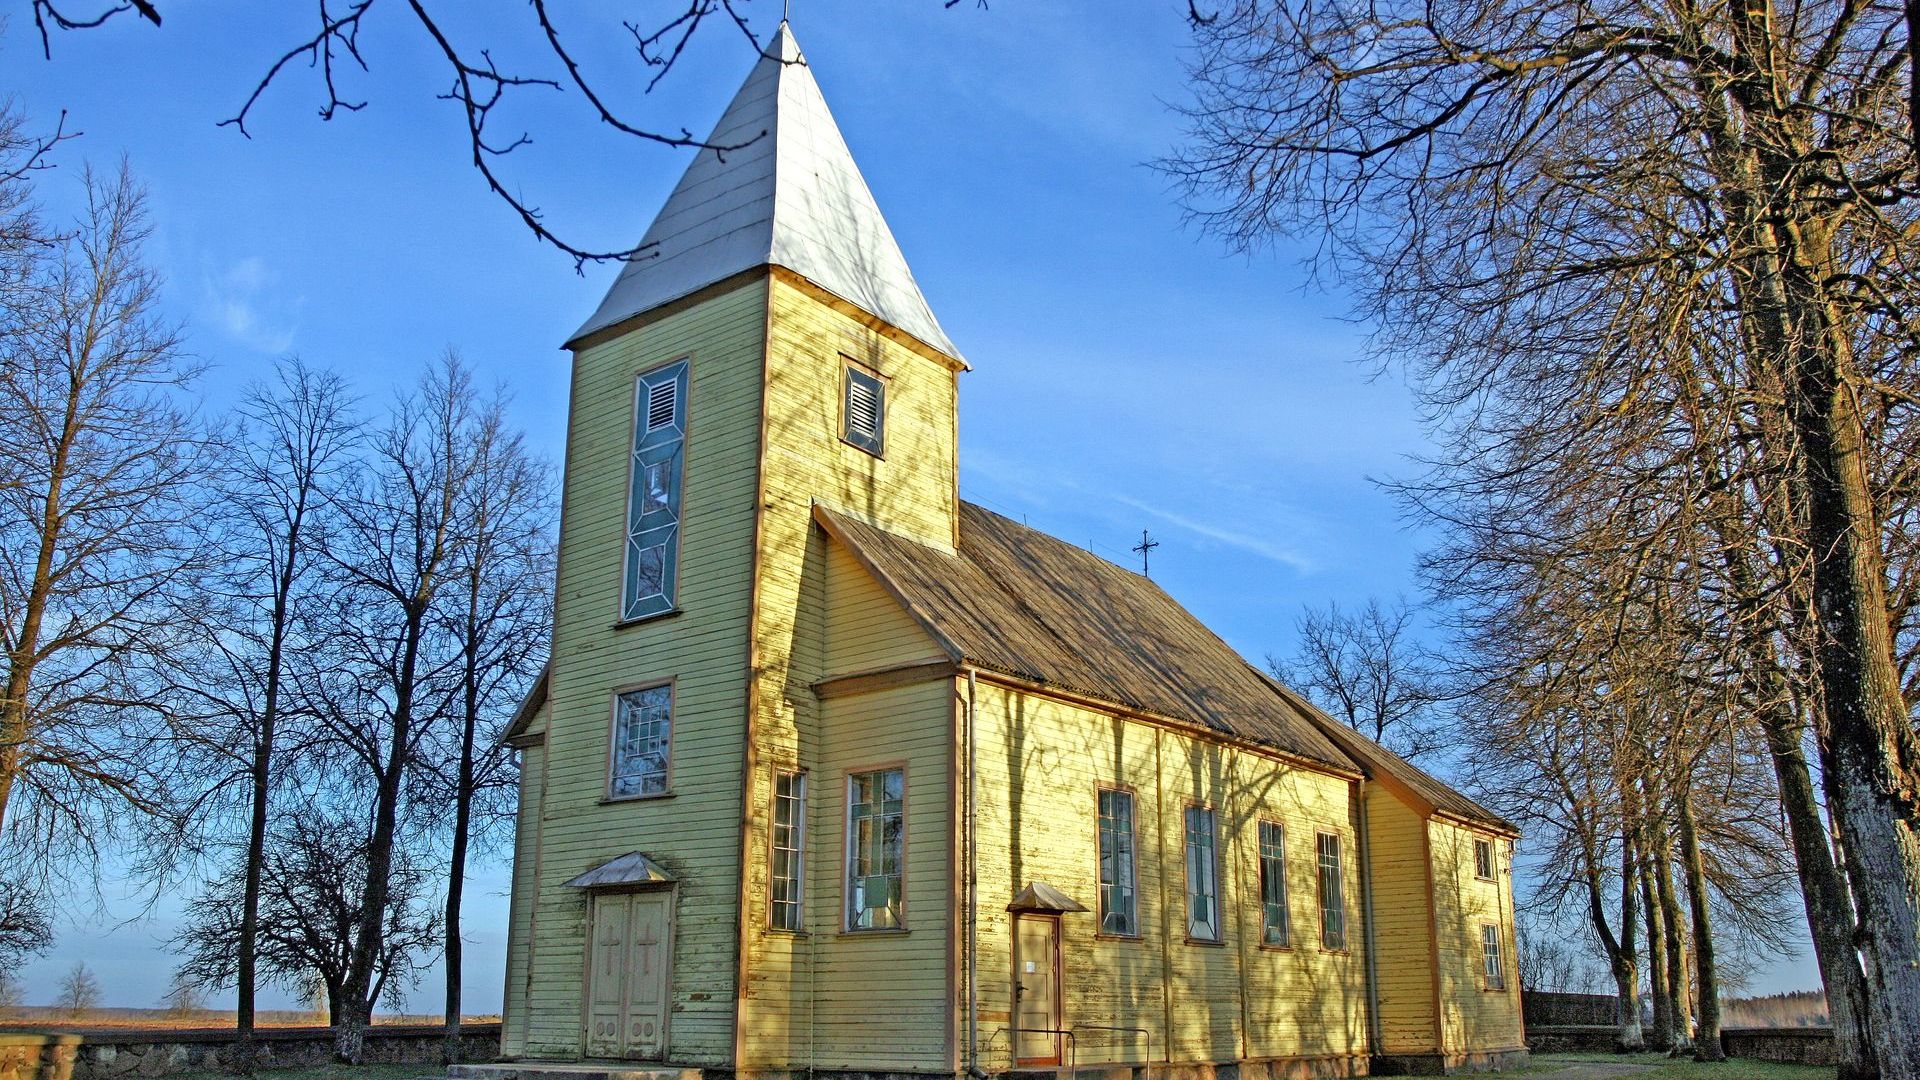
{"x": 765, "y": 352}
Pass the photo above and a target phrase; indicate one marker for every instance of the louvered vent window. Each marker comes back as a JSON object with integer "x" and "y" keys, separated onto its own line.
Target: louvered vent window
{"x": 652, "y": 559}
{"x": 660, "y": 400}
{"x": 865, "y": 411}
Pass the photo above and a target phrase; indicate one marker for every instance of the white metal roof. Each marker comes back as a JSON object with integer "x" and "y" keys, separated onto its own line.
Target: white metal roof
{"x": 790, "y": 195}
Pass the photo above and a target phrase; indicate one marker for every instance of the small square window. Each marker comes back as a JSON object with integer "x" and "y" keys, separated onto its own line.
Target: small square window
{"x": 864, "y": 411}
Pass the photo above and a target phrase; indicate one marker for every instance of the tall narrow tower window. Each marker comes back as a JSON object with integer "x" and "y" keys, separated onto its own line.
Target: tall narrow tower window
{"x": 653, "y": 498}
{"x": 865, "y": 411}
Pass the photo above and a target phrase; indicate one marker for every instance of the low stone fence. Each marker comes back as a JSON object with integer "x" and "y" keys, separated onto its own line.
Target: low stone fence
{"x": 1800, "y": 1046}
{"x": 1567, "y": 1038}
{"x": 1546, "y": 1008}
{"x": 122, "y": 1054}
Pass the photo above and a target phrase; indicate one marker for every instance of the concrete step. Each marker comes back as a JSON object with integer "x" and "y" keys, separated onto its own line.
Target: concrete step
{"x": 571, "y": 1070}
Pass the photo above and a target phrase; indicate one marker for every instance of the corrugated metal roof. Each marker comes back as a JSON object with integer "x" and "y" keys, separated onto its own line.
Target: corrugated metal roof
{"x": 1017, "y": 601}
{"x": 790, "y": 196}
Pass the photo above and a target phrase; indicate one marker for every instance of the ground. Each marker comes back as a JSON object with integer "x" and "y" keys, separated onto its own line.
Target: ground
{"x": 330, "y": 1072}
{"x": 1661, "y": 1067}
{"x": 1561, "y": 1066}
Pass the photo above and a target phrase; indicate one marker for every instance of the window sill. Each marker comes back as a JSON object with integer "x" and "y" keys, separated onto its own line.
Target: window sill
{"x": 1212, "y": 943}
{"x": 878, "y": 455}
{"x": 1269, "y": 947}
{"x": 1135, "y": 938}
{"x": 901, "y": 932}
{"x": 1342, "y": 951}
{"x": 784, "y": 932}
{"x": 1488, "y": 880}
{"x": 609, "y": 800}
{"x": 622, "y": 624}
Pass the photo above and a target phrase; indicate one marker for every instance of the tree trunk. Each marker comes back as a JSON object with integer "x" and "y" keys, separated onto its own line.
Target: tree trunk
{"x": 1823, "y": 888}
{"x": 462, "y": 818}
{"x": 1706, "y": 1045}
{"x": 1680, "y": 995}
{"x": 350, "y": 1033}
{"x": 1871, "y": 755}
{"x": 1622, "y": 958}
{"x": 1659, "y": 985}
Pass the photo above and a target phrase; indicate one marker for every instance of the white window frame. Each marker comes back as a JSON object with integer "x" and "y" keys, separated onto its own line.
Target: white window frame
{"x": 796, "y": 851}
{"x": 613, "y": 743}
{"x": 1493, "y": 957}
{"x": 849, "y": 921}
{"x": 1279, "y": 879}
{"x": 1132, "y": 883}
{"x": 1208, "y": 930}
{"x": 1333, "y": 918}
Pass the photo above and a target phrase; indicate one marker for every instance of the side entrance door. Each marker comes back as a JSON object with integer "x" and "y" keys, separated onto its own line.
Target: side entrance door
{"x": 1036, "y": 988}
{"x": 630, "y": 974}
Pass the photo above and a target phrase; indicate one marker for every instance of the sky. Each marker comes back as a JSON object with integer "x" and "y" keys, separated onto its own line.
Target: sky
{"x": 1129, "y": 373}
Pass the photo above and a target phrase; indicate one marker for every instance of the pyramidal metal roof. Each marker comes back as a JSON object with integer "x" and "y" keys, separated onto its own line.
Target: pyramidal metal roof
{"x": 790, "y": 196}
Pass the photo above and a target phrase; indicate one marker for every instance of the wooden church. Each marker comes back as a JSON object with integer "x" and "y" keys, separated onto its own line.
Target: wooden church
{"x": 834, "y": 772}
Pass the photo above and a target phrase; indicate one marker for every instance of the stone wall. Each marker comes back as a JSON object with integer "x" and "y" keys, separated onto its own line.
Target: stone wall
{"x": 1545, "y": 1008}
{"x": 109, "y": 1054}
{"x": 1803, "y": 1046}
{"x": 1572, "y": 1038}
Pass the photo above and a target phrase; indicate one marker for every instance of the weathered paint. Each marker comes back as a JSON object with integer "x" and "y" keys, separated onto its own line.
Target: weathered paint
{"x": 1475, "y": 1017}
{"x": 1403, "y": 928}
{"x": 694, "y": 831}
{"x": 1041, "y": 762}
{"x": 770, "y": 606}
{"x": 816, "y": 615}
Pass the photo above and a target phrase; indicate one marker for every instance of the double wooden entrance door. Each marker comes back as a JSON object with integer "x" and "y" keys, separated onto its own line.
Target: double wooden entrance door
{"x": 630, "y": 976}
{"x": 1036, "y": 989}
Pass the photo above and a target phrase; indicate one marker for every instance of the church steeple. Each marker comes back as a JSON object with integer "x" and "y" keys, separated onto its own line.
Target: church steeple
{"x": 789, "y": 196}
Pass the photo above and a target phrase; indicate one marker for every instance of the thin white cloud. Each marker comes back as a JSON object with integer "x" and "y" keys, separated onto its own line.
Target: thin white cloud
{"x": 1266, "y": 549}
{"x": 242, "y": 302}
{"x": 1041, "y": 487}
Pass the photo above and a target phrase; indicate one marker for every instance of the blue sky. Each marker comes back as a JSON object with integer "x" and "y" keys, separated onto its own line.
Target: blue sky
{"x": 1128, "y": 372}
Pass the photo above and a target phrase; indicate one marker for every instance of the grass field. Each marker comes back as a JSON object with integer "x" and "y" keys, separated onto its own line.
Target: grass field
{"x": 328, "y": 1072}
{"x": 1666, "y": 1068}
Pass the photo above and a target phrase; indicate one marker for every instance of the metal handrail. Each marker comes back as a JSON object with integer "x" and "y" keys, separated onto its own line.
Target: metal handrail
{"x": 1073, "y": 1044}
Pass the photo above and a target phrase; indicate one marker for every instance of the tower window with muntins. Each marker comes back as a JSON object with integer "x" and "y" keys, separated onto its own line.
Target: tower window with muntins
{"x": 653, "y": 498}
{"x": 642, "y": 742}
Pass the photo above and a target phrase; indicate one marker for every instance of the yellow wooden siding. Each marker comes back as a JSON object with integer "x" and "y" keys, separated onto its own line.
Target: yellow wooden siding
{"x": 1403, "y": 927}
{"x": 866, "y": 628}
{"x": 526, "y": 841}
{"x": 911, "y": 490}
{"x": 1475, "y": 1016}
{"x": 1041, "y": 762}
{"x": 695, "y": 832}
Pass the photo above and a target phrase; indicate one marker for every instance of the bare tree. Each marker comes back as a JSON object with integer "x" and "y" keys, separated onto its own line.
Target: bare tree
{"x": 26, "y": 926}
{"x": 1368, "y": 669}
{"x": 79, "y": 992}
{"x": 482, "y": 91}
{"x": 312, "y": 902}
{"x": 499, "y": 623}
{"x": 99, "y": 533}
{"x": 184, "y": 999}
{"x": 395, "y": 562}
{"x": 1536, "y": 192}
{"x": 293, "y": 438}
